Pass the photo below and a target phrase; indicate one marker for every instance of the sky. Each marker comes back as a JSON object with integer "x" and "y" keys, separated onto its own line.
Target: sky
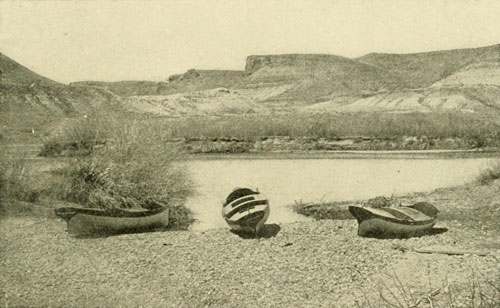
{"x": 149, "y": 40}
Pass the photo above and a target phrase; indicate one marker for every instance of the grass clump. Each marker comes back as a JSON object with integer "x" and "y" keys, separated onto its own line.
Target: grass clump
{"x": 339, "y": 209}
{"x": 135, "y": 169}
{"x": 79, "y": 138}
{"x": 15, "y": 182}
{"x": 323, "y": 210}
{"x": 475, "y": 291}
{"x": 381, "y": 201}
{"x": 490, "y": 174}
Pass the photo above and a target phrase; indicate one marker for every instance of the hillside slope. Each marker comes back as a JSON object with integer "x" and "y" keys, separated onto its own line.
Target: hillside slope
{"x": 481, "y": 99}
{"x": 313, "y": 78}
{"x": 192, "y": 80}
{"x": 317, "y": 76}
{"x": 464, "y": 80}
{"x": 12, "y": 72}
{"x": 214, "y": 102}
{"x": 423, "y": 69}
{"x": 484, "y": 70}
{"x": 125, "y": 88}
{"x": 31, "y": 105}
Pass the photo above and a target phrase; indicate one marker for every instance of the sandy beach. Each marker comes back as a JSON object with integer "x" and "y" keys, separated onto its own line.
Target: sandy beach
{"x": 307, "y": 264}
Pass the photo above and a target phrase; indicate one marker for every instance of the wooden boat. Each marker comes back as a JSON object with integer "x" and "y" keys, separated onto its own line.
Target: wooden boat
{"x": 89, "y": 221}
{"x": 245, "y": 210}
{"x": 402, "y": 221}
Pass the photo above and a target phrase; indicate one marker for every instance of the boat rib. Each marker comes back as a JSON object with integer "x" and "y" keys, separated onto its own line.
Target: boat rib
{"x": 245, "y": 210}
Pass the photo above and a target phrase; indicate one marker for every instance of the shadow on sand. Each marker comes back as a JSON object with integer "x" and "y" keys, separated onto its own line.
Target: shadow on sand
{"x": 111, "y": 234}
{"x": 267, "y": 231}
{"x": 433, "y": 231}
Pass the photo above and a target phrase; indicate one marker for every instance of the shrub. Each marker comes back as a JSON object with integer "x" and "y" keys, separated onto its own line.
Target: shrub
{"x": 15, "y": 183}
{"x": 51, "y": 148}
{"x": 381, "y": 201}
{"x": 179, "y": 217}
{"x": 323, "y": 210}
{"x": 490, "y": 174}
{"x": 133, "y": 170}
{"x": 3, "y": 182}
{"x": 474, "y": 128}
{"x": 80, "y": 137}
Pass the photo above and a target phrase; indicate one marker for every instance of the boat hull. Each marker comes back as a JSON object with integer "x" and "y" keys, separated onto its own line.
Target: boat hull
{"x": 246, "y": 211}
{"x": 250, "y": 225}
{"x": 391, "y": 222}
{"x": 377, "y": 227}
{"x": 89, "y": 223}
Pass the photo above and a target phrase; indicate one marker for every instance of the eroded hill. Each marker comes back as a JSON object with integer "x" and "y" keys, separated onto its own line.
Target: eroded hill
{"x": 458, "y": 81}
{"x": 32, "y": 105}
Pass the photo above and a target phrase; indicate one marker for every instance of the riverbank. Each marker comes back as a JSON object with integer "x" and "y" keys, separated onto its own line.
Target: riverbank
{"x": 338, "y": 144}
{"x": 344, "y": 154}
{"x": 316, "y": 154}
{"x": 266, "y": 147}
{"x": 312, "y": 263}
{"x": 315, "y": 264}
{"x": 473, "y": 205}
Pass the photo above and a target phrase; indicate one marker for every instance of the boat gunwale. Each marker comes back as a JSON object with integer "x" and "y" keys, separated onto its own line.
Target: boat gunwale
{"x": 69, "y": 212}
{"x": 364, "y": 214}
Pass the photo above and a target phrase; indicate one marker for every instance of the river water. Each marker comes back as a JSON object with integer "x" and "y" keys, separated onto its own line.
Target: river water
{"x": 285, "y": 181}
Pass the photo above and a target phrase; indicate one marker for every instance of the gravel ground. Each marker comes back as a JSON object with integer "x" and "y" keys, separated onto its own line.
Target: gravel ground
{"x": 306, "y": 264}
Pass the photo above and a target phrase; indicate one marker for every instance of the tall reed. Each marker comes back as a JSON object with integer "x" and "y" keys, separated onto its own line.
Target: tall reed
{"x": 378, "y": 125}
{"x": 15, "y": 182}
{"x": 134, "y": 169}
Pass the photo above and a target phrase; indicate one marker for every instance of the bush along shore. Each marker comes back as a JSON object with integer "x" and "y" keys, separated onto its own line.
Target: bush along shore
{"x": 287, "y": 144}
{"x": 129, "y": 170}
{"x": 310, "y": 144}
{"x": 296, "y": 132}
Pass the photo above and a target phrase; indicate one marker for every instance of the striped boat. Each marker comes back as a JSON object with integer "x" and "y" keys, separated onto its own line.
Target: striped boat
{"x": 402, "y": 221}
{"x": 90, "y": 221}
{"x": 245, "y": 210}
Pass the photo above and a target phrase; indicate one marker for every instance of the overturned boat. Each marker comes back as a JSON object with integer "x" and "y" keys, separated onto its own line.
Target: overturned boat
{"x": 90, "y": 221}
{"x": 389, "y": 222}
{"x": 245, "y": 210}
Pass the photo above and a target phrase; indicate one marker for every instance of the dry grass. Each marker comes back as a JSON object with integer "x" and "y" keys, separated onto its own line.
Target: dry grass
{"x": 323, "y": 210}
{"x": 15, "y": 182}
{"x": 490, "y": 174}
{"x": 339, "y": 209}
{"x": 475, "y": 128}
{"x": 478, "y": 292}
{"x": 134, "y": 169}
{"x": 80, "y": 138}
